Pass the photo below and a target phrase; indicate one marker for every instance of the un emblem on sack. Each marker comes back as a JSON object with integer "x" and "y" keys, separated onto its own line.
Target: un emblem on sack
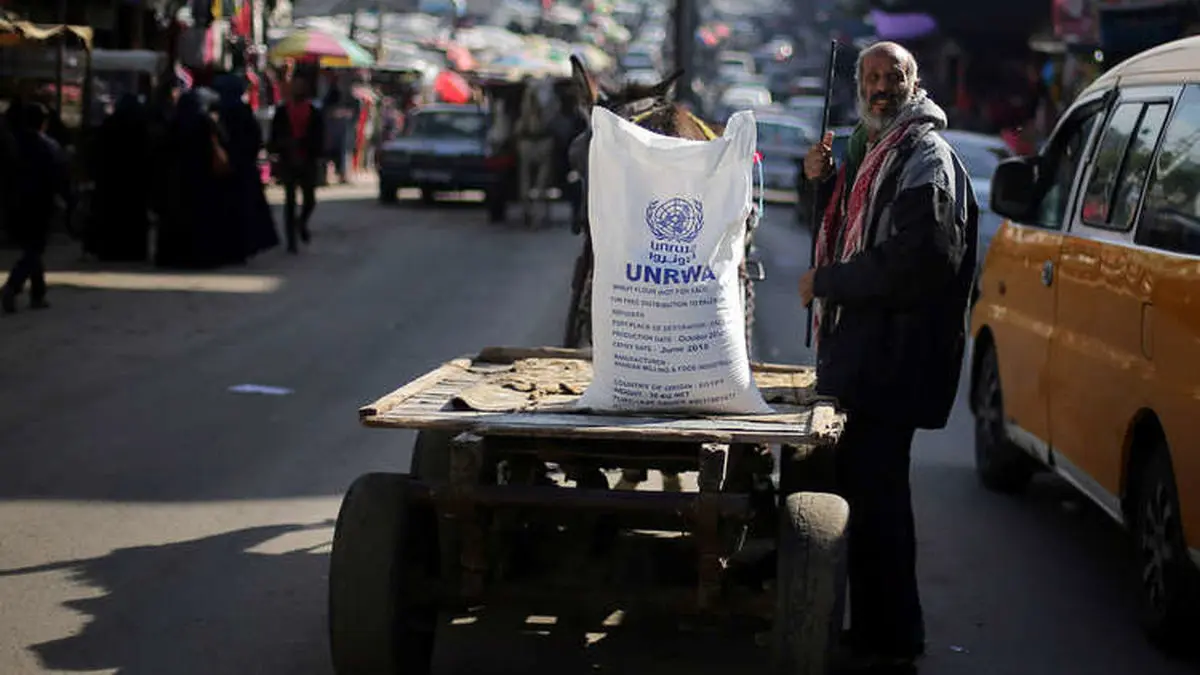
{"x": 675, "y": 219}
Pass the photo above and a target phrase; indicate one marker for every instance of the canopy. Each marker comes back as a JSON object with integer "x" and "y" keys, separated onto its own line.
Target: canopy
{"x": 16, "y": 32}
{"x": 901, "y": 26}
{"x": 330, "y": 50}
{"x": 451, "y": 87}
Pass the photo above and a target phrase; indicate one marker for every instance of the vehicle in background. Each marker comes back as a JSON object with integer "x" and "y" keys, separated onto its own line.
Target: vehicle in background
{"x": 640, "y": 58}
{"x": 809, "y": 108}
{"x": 444, "y": 149}
{"x": 735, "y": 64}
{"x": 980, "y": 155}
{"x": 808, "y": 85}
{"x": 782, "y": 141}
{"x": 642, "y": 76}
{"x": 745, "y": 97}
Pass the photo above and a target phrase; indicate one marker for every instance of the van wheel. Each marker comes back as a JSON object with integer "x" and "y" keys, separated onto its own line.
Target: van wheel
{"x": 1168, "y": 585}
{"x": 1000, "y": 465}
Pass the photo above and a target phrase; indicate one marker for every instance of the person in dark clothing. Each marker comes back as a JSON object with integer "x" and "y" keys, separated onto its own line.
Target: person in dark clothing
{"x": 195, "y": 234}
{"x": 248, "y": 203}
{"x": 119, "y": 227}
{"x": 895, "y": 260}
{"x": 42, "y": 177}
{"x": 298, "y": 137}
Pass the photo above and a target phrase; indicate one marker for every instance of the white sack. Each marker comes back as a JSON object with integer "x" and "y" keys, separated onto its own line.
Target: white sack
{"x": 668, "y": 233}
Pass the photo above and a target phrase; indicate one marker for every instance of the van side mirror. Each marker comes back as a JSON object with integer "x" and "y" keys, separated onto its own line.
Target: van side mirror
{"x": 1014, "y": 192}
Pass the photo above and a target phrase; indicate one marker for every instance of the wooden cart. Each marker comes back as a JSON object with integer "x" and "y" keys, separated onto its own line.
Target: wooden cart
{"x": 511, "y": 499}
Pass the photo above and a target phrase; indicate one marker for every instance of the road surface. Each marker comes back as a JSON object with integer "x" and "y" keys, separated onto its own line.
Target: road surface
{"x": 154, "y": 523}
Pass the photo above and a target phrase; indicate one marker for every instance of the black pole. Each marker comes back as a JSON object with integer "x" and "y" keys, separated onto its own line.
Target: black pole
{"x": 61, "y": 54}
{"x": 815, "y": 218}
{"x": 684, "y": 47}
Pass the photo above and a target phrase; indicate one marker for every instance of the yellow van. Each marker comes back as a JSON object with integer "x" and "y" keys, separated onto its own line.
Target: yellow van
{"x": 1085, "y": 356}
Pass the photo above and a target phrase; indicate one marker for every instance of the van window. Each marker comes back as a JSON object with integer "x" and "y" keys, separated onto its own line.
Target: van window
{"x": 1053, "y": 209}
{"x": 1097, "y": 198}
{"x": 1128, "y": 191}
{"x": 1171, "y": 217}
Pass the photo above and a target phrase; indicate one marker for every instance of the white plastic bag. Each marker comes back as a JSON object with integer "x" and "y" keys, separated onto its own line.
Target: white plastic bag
{"x": 668, "y": 233}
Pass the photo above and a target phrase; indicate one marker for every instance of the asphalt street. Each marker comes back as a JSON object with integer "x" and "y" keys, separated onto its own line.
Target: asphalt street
{"x": 152, "y": 522}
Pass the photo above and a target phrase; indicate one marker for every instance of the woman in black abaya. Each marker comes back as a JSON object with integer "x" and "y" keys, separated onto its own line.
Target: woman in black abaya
{"x": 195, "y": 233}
{"x": 118, "y": 230}
{"x": 247, "y": 201}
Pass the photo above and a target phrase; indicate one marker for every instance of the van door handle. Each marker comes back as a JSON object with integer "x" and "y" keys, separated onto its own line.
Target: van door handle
{"x": 1047, "y": 273}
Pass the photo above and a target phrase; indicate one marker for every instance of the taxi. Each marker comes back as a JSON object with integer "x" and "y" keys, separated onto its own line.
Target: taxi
{"x": 1085, "y": 357}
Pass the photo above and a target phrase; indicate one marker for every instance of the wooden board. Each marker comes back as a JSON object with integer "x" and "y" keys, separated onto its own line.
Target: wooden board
{"x": 533, "y": 392}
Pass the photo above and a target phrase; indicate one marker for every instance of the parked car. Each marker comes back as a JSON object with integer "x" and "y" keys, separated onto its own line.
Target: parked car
{"x": 443, "y": 149}
{"x": 782, "y": 140}
{"x": 1084, "y": 357}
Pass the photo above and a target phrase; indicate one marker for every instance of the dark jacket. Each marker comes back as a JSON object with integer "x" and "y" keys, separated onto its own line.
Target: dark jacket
{"x": 895, "y": 352}
{"x": 282, "y": 141}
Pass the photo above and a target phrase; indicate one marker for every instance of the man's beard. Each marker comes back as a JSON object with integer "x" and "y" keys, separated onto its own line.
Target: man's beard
{"x": 880, "y": 121}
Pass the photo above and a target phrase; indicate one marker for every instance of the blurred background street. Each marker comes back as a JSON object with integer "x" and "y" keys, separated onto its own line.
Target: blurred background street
{"x": 178, "y": 428}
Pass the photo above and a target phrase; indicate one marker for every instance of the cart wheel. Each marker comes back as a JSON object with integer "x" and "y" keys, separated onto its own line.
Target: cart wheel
{"x": 382, "y": 545}
{"x": 811, "y": 583}
{"x": 431, "y": 456}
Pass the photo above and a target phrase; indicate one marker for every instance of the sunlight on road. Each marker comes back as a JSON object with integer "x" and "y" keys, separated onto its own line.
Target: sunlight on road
{"x": 137, "y": 281}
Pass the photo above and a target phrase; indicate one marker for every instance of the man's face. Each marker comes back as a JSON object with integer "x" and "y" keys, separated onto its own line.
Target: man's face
{"x": 884, "y": 88}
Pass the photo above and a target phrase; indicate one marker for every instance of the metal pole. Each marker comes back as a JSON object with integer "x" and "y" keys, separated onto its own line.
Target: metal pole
{"x": 684, "y": 46}
{"x": 815, "y": 218}
{"x": 379, "y": 30}
{"x": 61, "y": 56}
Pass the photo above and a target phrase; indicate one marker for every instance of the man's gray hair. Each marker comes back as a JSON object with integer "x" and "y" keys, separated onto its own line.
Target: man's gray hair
{"x": 908, "y": 62}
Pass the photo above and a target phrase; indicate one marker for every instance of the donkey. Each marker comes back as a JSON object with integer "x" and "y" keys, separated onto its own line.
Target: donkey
{"x": 535, "y": 147}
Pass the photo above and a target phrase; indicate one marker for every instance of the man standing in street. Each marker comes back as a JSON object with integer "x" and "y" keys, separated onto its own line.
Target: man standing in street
{"x": 894, "y": 263}
{"x": 41, "y": 177}
{"x": 298, "y": 138}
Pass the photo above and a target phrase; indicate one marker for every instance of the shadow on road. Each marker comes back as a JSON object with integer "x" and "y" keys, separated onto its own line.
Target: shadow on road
{"x": 511, "y": 643}
{"x": 211, "y": 601}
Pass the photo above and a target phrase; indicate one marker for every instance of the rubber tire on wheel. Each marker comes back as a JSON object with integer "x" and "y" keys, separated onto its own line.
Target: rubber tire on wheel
{"x": 1001, "y": 466}
{"x": 431, "y": 456}
{"x": 381, "y": 543}
{"x": 811, "y": 582}
{"x": 1167, "y": 599}
{"x": 388, "y": 193}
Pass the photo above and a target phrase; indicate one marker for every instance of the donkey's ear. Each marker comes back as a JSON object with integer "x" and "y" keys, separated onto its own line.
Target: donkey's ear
{"x": 664, "y": 87}
{"x": 585, "y": 85}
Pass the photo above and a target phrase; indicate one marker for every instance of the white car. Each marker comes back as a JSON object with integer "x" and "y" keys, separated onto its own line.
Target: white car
{"x": 746, "y": 97}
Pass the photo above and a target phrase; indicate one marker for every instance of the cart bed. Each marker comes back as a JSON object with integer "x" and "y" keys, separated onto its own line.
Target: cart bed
{"x": 506, "y": 391}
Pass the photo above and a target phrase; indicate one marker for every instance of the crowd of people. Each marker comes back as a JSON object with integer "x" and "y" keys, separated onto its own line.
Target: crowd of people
{"x": 179, "y": 179}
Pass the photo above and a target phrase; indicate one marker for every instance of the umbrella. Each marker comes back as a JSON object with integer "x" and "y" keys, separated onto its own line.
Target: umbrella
{"x": 451, "y": 87}
{"x": 331, "y": 51}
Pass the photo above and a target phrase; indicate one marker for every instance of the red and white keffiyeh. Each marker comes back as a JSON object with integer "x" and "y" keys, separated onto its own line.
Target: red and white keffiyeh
{"x": 854, "y": 219}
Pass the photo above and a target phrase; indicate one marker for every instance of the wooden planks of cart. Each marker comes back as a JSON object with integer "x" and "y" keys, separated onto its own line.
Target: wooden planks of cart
{"x": 517, "y": 497}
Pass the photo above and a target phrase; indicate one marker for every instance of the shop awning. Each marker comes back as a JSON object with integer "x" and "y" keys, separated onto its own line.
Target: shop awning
{"x": 16, "y": 32}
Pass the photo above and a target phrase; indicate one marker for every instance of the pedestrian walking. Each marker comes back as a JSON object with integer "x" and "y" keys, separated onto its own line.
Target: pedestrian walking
{"x": 42, "y": 176}
{"x": 894, "y": 264}
{"x": 298, "y": 138}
